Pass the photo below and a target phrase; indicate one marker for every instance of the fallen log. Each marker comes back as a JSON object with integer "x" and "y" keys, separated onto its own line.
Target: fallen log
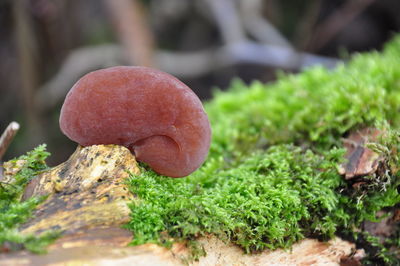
{"x": 87, "y": 201}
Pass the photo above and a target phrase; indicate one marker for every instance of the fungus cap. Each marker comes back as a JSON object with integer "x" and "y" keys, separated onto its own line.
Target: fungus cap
{"x": 156, "y": 116}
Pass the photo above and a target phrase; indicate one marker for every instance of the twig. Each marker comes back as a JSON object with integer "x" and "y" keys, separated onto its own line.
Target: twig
{"x": 7, "y": 136}
{"x": 336, "y": 22}
{"x": 276, "y": 56}
{"x": 258, "y": 26}
{"x": 227, "y": 20}
{"x": 306, "y": 25}
{"x": 133, "y": 30}
{"x": 5, "y": 141}
{"x": 78, "y": 63}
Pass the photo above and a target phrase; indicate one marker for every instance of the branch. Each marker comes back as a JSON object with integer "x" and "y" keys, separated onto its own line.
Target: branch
{"x": 78, "y": 63}
{"x": 7, "y": 136}
{"x": 133, "y": 31}
{"x": 277, "y": 56}
{"x": 329, "y": 28}
{"x": 258, "y": 26}
{"x": 227, "y": 20}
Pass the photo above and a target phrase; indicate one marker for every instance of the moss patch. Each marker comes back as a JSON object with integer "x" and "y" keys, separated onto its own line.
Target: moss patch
{"x": 258, "y": 204}
{"x": 271, "y": 176}
{"x": 14, "y": 212}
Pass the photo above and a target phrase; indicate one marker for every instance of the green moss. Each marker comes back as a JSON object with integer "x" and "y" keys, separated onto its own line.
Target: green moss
{"x": 258, "y": 204}
{"x": 271, "y": 175}
{"x": 14, "y": 212}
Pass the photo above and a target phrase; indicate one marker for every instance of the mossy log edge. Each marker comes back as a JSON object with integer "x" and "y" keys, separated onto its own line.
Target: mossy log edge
{"x": 87, "y": 202}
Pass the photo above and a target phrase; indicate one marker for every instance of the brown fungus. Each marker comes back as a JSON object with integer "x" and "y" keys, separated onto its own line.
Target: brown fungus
{"x": 150, "y": 112}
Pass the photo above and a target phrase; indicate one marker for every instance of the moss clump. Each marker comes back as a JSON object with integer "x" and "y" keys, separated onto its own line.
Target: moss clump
{"x": 271, "y": 175}
{"x": 258, "y": 204}
{"x": 314, "y": 108}
{"x": 14, "y": 212}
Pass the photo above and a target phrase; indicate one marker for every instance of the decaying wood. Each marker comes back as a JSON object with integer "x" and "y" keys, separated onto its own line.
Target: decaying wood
{"x": 10, "y": 169}
{"x": 87, "y": 202}
{"x": 87, "y": 191}
{"x": 89, "y": 252}
{"x": 305, "y": 252}
{"x": 361, "y": 160}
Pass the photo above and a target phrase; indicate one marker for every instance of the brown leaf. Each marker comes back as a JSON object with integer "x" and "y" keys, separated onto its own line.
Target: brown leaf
{"x": 361, "y": 160}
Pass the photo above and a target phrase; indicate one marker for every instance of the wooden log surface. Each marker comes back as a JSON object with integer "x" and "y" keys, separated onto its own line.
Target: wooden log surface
{"x": 87, "y": 202}
{"x": 87, "y": 191}
{"x": 108, "y": 247}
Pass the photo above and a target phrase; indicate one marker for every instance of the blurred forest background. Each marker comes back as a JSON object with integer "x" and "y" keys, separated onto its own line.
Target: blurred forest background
{"x": 47, "y": 45}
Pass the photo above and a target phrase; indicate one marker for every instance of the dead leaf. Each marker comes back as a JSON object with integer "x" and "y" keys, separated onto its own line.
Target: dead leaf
{"x": 361, "y": 160}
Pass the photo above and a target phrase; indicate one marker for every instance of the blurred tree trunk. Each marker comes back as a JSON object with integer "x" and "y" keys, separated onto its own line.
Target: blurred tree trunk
{"x": 133, "y": 30}
{"x": 27, "y": 48}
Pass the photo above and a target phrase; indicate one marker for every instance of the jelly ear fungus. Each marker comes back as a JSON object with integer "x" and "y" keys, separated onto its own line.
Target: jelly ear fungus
{"x": 152, "y": 113}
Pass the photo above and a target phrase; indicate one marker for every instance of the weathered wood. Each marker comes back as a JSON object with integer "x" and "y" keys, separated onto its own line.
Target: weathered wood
{"x": 84, "y": 251}
{"x": 87, "y": 191}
